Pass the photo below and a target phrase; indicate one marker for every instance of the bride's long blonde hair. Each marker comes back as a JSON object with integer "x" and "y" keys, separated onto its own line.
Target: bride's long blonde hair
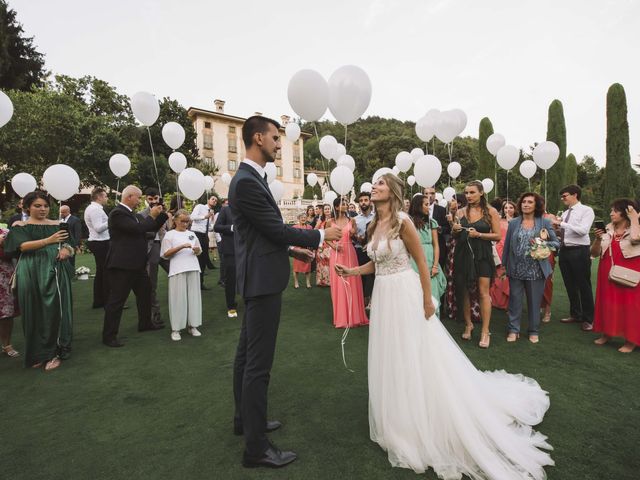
{"x": 396, "y": 195}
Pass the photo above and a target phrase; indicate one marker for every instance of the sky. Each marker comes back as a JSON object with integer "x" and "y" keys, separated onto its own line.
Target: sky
{"x": 503, "y": 59}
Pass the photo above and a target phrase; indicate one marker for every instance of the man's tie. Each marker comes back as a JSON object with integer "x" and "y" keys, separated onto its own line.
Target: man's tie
{"x": 207, "y": 227}
{"x": 264, "y": 179}
{"x": 566, "y": 220}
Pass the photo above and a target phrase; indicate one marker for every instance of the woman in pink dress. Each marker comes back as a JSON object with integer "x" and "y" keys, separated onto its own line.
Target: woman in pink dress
{"x": 323, "y": 277}
{"x": 346, "y": 292}
{"x": 300, "y": 266}
{"x": 500, "y": 288}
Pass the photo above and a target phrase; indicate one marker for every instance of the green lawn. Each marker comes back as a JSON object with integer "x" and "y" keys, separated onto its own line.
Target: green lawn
{"x": 158, "y": 409}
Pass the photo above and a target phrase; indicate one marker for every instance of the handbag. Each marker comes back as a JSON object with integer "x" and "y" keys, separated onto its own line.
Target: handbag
{"x": 13, "y": 282}
{"x": 622, "y": 276}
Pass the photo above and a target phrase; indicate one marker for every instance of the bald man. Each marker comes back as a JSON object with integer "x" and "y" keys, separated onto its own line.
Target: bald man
{"x": 127, "y": 262}
{"x": 75, "y": 229}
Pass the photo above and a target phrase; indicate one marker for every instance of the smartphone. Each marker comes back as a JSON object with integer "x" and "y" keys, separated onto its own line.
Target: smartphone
{"x": 599, "y": 225}
{"x": 64, "y": 227}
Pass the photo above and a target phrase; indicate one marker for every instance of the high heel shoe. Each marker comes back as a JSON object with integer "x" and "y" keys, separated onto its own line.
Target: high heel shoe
{"x": 485, "y": 340}
{"x": 467, "y": 332}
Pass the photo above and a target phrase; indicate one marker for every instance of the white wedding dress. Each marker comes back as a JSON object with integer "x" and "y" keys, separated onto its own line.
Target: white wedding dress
{"x": 428, "y": 405}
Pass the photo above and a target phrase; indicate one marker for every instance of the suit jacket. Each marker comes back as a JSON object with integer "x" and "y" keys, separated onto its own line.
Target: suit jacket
{"x": 75, "y": 230}
{"x": 128, "y": 246}
{"x": 440, "y": 216}
{"x": 509, "y": 249}
{"x": 16, "y": 217}
{"x": 223, "y": 225}
{"x": 261, "y": 237}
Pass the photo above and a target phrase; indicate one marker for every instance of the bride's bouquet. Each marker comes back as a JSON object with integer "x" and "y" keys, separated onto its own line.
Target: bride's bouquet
{"x": 540, "y": 248}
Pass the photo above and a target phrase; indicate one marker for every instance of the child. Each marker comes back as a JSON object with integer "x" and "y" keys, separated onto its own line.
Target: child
{"x": 181, "y": 247}
{"x": 298, "y": 265}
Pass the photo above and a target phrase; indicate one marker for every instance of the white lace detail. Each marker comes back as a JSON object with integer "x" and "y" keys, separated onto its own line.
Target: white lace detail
{"x": 389, "y": 261}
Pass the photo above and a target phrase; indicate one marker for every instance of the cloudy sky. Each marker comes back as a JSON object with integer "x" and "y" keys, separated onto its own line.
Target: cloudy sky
{"x": 503, "y": 59}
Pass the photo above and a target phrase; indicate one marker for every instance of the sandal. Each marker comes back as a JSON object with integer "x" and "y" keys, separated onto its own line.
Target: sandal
{"x": 10, "y": 351}
{"x": 467, "y": 332}
{"x": 52, "y": 364}
{"x": 485, "y": 340}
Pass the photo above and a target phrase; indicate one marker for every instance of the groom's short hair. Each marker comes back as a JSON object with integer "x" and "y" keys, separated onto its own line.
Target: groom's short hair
{"x": 256, "y": 124}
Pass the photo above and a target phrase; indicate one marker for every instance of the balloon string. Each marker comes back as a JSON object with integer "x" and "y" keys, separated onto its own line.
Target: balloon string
{"x": 545, "y": 187}
{"x": 345, "y": 138}
{"x": 322, "y": 159}
{"x": 426, "y": 148}
{"x": 153, "y": 155}
{"x": 507, "y": 185}
{"x": 347, "y": 288}
{"x": 117, "y": 189}
{"x": 495, "y": 184}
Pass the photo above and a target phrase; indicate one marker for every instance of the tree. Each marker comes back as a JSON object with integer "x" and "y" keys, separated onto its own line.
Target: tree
{"x": 557, "y": 133}
{"x": 21, "y": 65}
{"x": 619, "y": 175}
{"x": 571, "y": 173}
{"x": 486, "y": 161}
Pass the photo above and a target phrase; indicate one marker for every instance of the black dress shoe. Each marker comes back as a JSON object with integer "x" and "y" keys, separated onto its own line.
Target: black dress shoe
{"x": 153, "y": 326}
{"x": 272, "y": 458}
{"x": 113, "y": 343}
{"x": 272, "y": 426}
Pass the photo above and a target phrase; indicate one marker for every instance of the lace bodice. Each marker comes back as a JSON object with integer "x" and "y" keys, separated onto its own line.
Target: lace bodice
{"x": 389, "y": 260}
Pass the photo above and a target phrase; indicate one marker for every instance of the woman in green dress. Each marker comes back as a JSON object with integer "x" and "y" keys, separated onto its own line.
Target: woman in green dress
{"x": 43, "y": 277}
{"x": 428, "y": 231}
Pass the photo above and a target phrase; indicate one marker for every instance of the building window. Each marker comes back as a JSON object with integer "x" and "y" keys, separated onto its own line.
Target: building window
{"x": 232, "y": 145}
{"x": 296, "y": 173}
{"x": 278, "y": 171}
{"x": 207, "y": 124}
{"x": 207, "y": 141}
{"x": 232, "y": 129}
{"x": 208, "y": 161}
{"x": 232, "y": 166}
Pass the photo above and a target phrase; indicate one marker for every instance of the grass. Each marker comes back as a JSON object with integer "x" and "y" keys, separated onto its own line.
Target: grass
{"x": 158, "y": 409}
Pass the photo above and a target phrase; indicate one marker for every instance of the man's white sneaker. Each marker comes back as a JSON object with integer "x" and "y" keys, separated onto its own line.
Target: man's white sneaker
{"x": 195, "y": 332}
{"x": 175, "y": 336}
{"x": 232, "y": 313}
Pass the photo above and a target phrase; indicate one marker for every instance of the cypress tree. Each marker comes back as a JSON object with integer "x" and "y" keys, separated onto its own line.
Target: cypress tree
{"x": 557, "y": 133}
{"x": 486, "y": 161}
{"x": 571, "y": 174}
{"x": 618, "y": 173}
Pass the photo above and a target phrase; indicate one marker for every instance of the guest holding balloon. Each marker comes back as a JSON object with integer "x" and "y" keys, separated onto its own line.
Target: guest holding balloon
{"x": 298, "y": 265}
{"x": 43, "y": 278}
{"x": 323, "y": 276}
{"x": 547, "y": 296}
{"x": 346, "y": 293}
{"x": 529, "y": 242}
{"x": 474, "y": 265}
{"x": 500, "y": 286}
{"x": 616, "y": 305}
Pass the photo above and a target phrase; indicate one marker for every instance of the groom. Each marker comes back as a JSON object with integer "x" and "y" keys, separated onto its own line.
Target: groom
{"x": 262, "y": 249}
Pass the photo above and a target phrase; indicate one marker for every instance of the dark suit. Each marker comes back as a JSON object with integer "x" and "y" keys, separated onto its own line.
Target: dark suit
{"x": 262, "y": 269}
{"x": 153, "y": 260}
{"x": 16, "y": 217}
{"x": 440, "y": 216}
{"x": 226, "y": 250}
{"x": 126, "y": 267}
{"x": 75, "y": 234}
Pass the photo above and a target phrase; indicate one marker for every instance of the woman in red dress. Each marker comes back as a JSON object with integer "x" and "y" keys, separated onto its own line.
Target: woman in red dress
{"x": 616, "y": 305}
{"x": 500, "y": 287}
{"x": 300, "y": 266}
{"x": 323, "y": 278}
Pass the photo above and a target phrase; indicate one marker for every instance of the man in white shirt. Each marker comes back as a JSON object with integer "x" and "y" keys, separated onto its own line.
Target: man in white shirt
{"x": 362, "y": 221}
{"x": 98, "y": 224}
{"x": 575, "y": 261}
{"x": 201, "y": 224}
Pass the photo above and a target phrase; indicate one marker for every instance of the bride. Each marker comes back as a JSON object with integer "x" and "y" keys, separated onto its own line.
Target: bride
{"x": 428, "y": 405}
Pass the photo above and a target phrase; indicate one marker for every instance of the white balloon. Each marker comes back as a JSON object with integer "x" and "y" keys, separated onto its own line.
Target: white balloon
{"x": 208, "y": 183}
{"x": 349, "y": 93}
{"x": 119, "y": 165}
{"x": 404, "y": 161}
{"x": 416, "y": 153}
{"x": 426, "y": 126}
{"x": 328, "y": 146}
{"x": 173, "y": 134}
{"x": 308, "y": 94}
{"x": 447, "y": 126}
{"x": 347, "y": 161}
{"x": 191, "y": 183}
{"x": 61, "y": 181}
{"x": 145, "y": 107}
{"x": 378, "y": 173}
{"x": 454, "y": 169}
{"x": 329, "y": 197}
{"x": 427, "y": 170}
{"x": 487, "y": 185}
{"x": 448, "y": 193}
{"x": 439, "y": 196}
{"x": 6, "y": 109}
{"x": 366, "y": 187}
{"x": 226, "y": 178}
{"x": 462, "y": 119}
{"x": 177, "y": 162}
{"x": 411, "y": 180}
{"x": 508, "y": 156}
{"x": 23, "y": 183}
{"x": 292, "y": 132}
{"x": 495, "y": 142}
{"x": 546, "y": 154}
{"x": 340, "y": 151}
{"x": 271, "y": 171}
{"x": 395, "y": 170}
{"x": 341, "y": 179}
{"x": 277, "y": 190}
{"x": 312, "y": 179}
{"x": 528, "y": 169}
